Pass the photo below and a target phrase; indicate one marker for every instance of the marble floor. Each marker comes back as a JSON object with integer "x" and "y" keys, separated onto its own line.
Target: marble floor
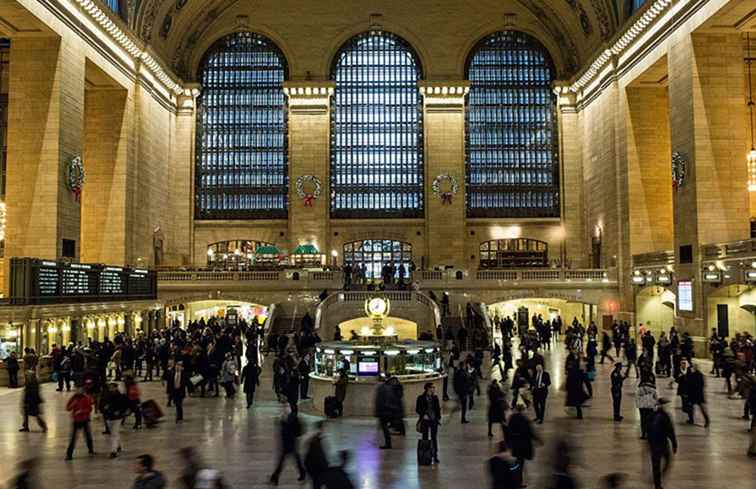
{"x": 242, "y": 443}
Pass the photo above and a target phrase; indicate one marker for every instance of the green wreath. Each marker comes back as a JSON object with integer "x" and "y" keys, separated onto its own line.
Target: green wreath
{"x": 75, "y": 176}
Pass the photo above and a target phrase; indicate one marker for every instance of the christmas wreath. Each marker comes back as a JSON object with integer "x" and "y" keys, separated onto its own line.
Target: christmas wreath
{"x": 446, "y": 187}
{"x": 75, "y": 176}
{"x": 308, "y": 189}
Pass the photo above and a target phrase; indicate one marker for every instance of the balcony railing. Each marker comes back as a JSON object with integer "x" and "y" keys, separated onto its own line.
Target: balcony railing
{"x": 735, "y": 249}
{"x": 426, "y": 278}
{"x": 654, "y": 259}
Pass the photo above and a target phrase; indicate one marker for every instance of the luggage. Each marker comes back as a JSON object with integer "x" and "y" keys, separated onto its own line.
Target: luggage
{"x": 424, "y": 452}
{"x": 331, "y": 407}
{"x": 151, "y": 413}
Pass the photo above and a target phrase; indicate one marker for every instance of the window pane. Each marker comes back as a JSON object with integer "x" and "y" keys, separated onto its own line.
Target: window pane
{"x": 242, "y": 155}
{"x": 376, "y": 129}
{"x": 511, "y": 135}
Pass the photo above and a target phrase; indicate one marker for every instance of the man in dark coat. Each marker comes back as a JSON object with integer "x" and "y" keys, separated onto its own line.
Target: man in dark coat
{"x": 462, "y": 389}
{"x": 520, "y": 436}
{"x": 660, "y": 433}
{"x": 31, "y": 402}
{"x": 316, "y": 461}
{"x": 290, "y": 431}
{"x": 250, "y": 379}
{"x": 387, "y": 409}
{"x": 428, "y": 408}
{"x": 617, "y": 380}
{"x": 540, "y": 386}
{"x": 177, "y": 381}
{"x": 695, "y": 385}
{"x": 578, "y": 389}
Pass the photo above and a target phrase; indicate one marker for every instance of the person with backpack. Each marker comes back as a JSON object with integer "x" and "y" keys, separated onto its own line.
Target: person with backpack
{"x": 114, "y": 407}
{"x": 80, "y": 405}
{"x": 290, "y": 429}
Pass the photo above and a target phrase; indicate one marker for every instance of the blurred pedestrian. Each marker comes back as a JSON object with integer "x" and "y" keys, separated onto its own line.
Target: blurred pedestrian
{"x": 31, "y": 402}
{"x": 290, "y": 429}
{"x": 147, "y": 476}
{"x": 661, "y": 432}
{"x": 80, "y": 405}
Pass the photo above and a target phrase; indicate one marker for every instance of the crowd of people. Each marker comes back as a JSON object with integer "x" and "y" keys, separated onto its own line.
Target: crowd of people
{"x": 207, "y": 355}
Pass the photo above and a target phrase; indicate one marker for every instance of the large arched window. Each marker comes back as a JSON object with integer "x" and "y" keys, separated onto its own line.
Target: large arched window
{"x": 242, "y": 158}
{"x": 376, "y": 129}
{"x": 512, "y": 151}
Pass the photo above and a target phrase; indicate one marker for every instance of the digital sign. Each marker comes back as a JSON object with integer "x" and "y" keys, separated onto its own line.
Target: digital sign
{"x": 367, "y": 368}
{"x": 35, "y": 281}
{"x": 685, "y": 295}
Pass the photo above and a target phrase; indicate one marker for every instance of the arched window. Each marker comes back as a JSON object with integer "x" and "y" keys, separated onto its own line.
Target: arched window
{"x": 376, "y": 129}
{"x": 514, "y": 253}
{"x": 511, "y": 135}
{"x": 373, "y": 254}
{"x": 242, "y": 157}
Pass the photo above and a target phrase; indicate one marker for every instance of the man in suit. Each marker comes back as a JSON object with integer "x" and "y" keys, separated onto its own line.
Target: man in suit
{"x": 617, "y": 380}
{"x": 540, "y": 387}
{"x": 428, "y": 408}
{"x": 177, "y": 381}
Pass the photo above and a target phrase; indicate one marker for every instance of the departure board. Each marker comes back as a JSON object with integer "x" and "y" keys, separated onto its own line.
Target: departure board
{"x": 35, "y": 281}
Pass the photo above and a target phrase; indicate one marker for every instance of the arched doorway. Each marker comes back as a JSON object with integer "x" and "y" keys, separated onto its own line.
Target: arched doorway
{"x": 375, "y": 253}
{"x": 732, "y": 309}
{"x": 655, "y": 309}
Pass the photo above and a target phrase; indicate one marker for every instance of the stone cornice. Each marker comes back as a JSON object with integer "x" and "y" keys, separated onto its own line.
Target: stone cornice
{"x": 309, "y": 97}
{"x": 444, "y": 89}
{"x": 127, "y": 41}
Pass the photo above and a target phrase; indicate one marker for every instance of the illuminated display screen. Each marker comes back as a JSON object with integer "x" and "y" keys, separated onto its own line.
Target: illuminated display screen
{"x": 36, "y": 281}
{"x": 367, "y": 368}
{"x": 685, "y": 295}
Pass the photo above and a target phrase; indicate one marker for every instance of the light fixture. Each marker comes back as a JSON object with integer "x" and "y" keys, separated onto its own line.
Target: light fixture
{"x": 752, "y": 154}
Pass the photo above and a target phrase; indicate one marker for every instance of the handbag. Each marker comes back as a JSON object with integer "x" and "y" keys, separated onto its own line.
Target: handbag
{"x": 196, "y": 379}
{"x": 419, "y": 427}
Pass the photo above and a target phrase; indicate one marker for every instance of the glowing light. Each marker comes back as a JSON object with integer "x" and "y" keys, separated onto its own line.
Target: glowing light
{"x": 752, "y": 170}
{"x": 391, "y": 353}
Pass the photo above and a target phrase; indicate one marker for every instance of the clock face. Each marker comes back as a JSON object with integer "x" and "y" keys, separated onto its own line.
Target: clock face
{"x": 377, "y": 306}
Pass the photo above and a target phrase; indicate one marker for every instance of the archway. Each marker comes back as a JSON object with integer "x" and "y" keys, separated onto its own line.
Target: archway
{"x": 230, "y": 310}
{"x": 655, "y": 309}
{"x": 732, "y": 309}
{"x": 522, "y": 310}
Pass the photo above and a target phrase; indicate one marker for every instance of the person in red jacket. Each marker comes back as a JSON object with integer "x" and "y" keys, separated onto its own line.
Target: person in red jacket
{"x": 80, "y": 405}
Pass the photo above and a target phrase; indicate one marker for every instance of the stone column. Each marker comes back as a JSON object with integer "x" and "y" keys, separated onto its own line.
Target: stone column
{"x": 574, "y": 247}
{"x": 181, "y": 239}
{"x": 444, "y": 121}
{"x": 104, "y": 214}
{"x": 708, "y": 126}
{"x": 309, "y": 155}
{"x": 45, "y": 119}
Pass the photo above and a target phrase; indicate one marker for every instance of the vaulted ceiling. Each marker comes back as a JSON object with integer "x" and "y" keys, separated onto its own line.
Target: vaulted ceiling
{"x": 310, "y": 32}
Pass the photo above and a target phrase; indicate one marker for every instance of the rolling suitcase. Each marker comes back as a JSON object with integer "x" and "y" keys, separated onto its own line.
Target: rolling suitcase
{"x": 151, "y": 413}
{"x": 424, "y": 452}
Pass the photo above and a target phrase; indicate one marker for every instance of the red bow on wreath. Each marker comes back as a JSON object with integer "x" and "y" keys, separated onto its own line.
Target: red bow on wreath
{"x": 309, "y": 199}
{"x": 446, "y": 198}
{"x": 77, "y": 194}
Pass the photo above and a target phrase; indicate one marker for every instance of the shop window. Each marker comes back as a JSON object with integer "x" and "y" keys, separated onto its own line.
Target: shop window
{"x": 514, "y": 253}
{"x": 242, "y": 149}
{"x": 235, "y": 254}
{"x": 512, "y": 153}
{"x": 376, "y": 129}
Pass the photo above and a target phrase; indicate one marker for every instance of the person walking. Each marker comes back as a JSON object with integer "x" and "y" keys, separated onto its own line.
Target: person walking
{"x": 316, "y": 460}
{"x": 497, "y": 406}
{"x": 578, "y": 389}
{"x": 11, "y": 364}
{"x": 290, "y": 429}
{"x": 177, "y": 382}
{"x": 387, "y": 409}
{"x": 304, "y": 368}
{"x": 428, "y": 410}
{"x": 505, "y": 471}
{"x": 696, "y": 396}
{"x": 133, "y": 395}
{"x": 250, "y": 379}
{"x": 646, "y": 402}
{"x": 31, "y": 402}
{"x": 114, "y": 407}
{"x": 520, "y": 436}
{"x": 80, "y": 405}
{"x": 540, "y": 386}
{"x": 661, "y": 433}
{"x": 462, "y": 389}
{"x": 147, "y": 477}
{"x": 617, "y": 380}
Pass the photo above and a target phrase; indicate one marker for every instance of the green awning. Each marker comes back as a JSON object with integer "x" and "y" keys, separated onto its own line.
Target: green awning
{"x": 306, "y": 249}
{"x": 267, "y": 250}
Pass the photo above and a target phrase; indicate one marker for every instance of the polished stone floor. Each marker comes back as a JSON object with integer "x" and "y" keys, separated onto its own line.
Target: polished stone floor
{"x": 242, "y": 443}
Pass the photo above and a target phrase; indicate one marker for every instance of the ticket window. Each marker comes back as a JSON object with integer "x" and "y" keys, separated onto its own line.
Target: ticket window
{"x": 10, "y": 340}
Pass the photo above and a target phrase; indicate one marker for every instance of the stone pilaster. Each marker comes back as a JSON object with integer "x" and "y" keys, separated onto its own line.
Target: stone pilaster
{"x": 573, "y": 246}
{"x": 708, "y": 126}
{"x": 309, "y": 152}
{"x": 104, "y": 215}
{"x": 182, "y": 174}
{"x": 45, "y": 119}
{"x": 444, "y": 121}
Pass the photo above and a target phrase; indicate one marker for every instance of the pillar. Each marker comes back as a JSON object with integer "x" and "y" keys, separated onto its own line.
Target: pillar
{"x": 708, "y": 127}
{"x": 182, "y": 178}
{"x": 573, "y": 245}
{"x": 45, "y": 119}
{"x": 444, "y": 121}
{"x": 309, "y": 156}
{"x": 104, "y": 211}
